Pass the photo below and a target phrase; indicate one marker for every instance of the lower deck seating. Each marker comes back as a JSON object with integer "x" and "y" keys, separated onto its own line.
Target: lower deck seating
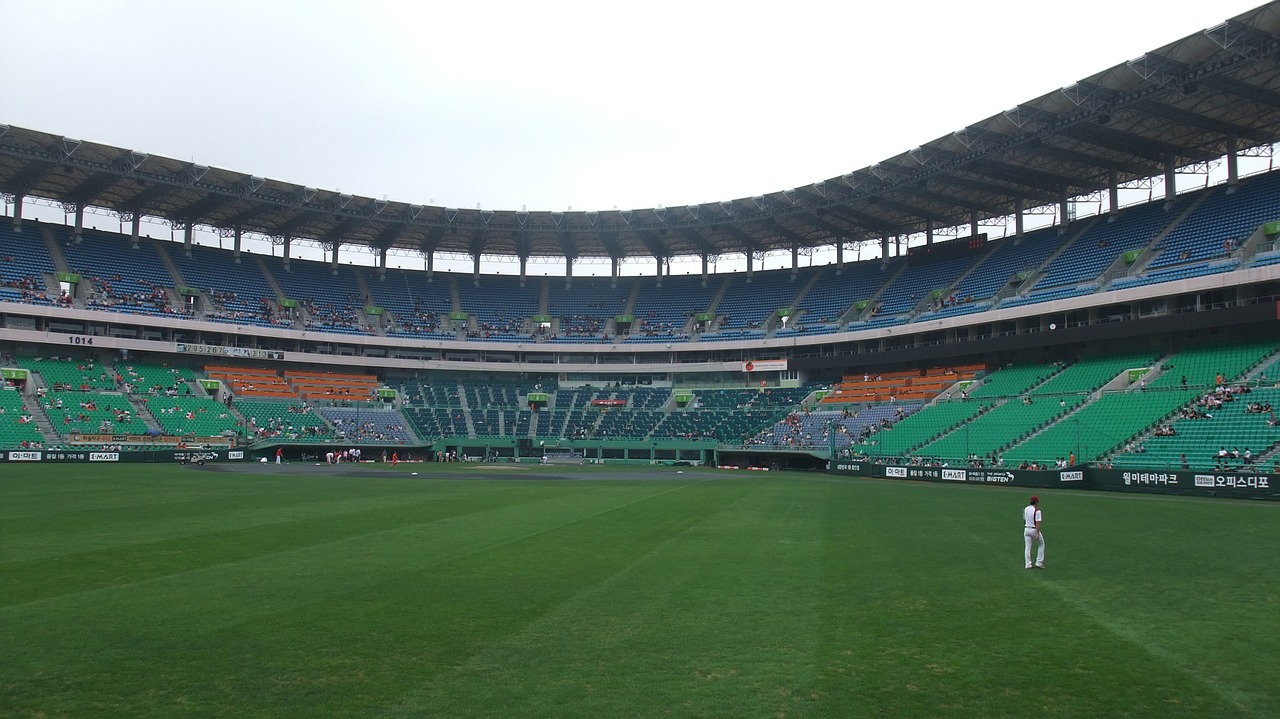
{"x": 1196, "y": 442}
{"x": 920, "y": 427}
{"x": 275, "y": 419}
{"x": 17, "y": 422}
{"x": 70, "y": 373}
{"x": 368, "y": 425}
{"x": 144, "y": 378}
{"x": 92, "y": 413}
{"x": 202, "y": 416}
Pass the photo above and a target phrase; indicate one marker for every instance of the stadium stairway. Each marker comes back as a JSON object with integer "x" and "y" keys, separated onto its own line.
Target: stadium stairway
{"x": 1150, "y": 252}
{"x": 721, "y": 291}
{"x": 926, "y": 301}
{"x": 38, "y": 413}
{"x": 143, "y": 412}
{"x": 466, "y": 413}
{"x": 362, "y": 285}
{"x": 1035, "y": 273}
{"x": 853, "y": 314}
{"x": 544, "y": 300}
{"x": 44, "y": 422}
{"x": 455, "y": 295}
{"x": 799, "y": 299}
{"x": 162, "y": 251}
{"x": 272, "y": 282}
{"x": 55, "y": 250}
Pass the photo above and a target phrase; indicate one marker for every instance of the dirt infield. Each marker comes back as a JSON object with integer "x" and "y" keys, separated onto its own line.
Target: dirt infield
{"x": 479, "y": 471}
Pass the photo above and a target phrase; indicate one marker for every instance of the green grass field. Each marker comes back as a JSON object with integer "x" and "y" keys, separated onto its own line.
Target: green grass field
{"x": 156, "y": 591}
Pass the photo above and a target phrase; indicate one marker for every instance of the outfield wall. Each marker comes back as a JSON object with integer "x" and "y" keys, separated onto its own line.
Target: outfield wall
{"x": 1239, "y": 485}
{"x": 75, "y": 456}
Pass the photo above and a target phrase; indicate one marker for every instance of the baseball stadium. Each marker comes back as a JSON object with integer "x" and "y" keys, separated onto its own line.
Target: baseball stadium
{"x": 275, "y": 461}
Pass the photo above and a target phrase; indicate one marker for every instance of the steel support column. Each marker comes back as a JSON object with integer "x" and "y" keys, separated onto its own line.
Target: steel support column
{"x": 973, "y": 223}
{"x": 1170, "y": 179}
{"x": 17, "y": 211}
{"x": 1064, "y": 207}
{"x": 928, "y": 231}
{"x": 1113, "y": 192}
{"x": 237, "y": 235}
{"x": 705, "y": 263}
{"x": 288, "y": 241}
{"x": 79, "y": 223}
{"x": 1019, "y": 217}
{"x": 188, "y": 237}
{"x": 884, "y": 247}
{"x": 1233, "y": 167}
{"x": 334, "y": 263}
{"x": 382, "y": 263}
{"x": 839, "y": 255}
{"x": 135, "y": 228}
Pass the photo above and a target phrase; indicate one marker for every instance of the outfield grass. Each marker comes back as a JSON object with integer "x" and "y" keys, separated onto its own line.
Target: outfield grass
{"x": 158, "y": 591}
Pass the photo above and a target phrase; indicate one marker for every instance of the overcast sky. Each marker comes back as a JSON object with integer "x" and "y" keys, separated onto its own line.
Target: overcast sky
{"x": 588, "y": 105}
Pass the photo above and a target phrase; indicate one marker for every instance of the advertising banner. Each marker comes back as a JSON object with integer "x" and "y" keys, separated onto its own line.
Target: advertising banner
{"x": 159, "y": 439}
{"x": 1189, "y": 482}
{"x": 1186, "y": 481}
{"x": 190, "y": 456}
{"x": 985, "y": 475}
{"x": 778, "y": 365}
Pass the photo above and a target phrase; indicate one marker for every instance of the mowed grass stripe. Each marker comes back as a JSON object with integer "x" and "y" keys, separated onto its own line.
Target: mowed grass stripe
{"x": 319, "y": 631}
{"x": 240, "y": 506}
{"x": 943, "y": 621}
{"x": 1194, "y": 585}
{"x": 777, "y": 595}
{"x": 245, "y": 534}
{"x": 436, "y": 503}
{"x": 718, "y": 619}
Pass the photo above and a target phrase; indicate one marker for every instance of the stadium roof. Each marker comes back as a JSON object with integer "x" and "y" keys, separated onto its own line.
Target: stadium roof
{"x": 1181, "y": 104}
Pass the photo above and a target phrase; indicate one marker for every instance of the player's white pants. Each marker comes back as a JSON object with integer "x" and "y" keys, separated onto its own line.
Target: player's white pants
{"x": 1030, "y": 535}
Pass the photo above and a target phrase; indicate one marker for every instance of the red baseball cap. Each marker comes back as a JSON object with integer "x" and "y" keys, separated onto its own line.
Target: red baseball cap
{"x": 1034, "y": 499}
